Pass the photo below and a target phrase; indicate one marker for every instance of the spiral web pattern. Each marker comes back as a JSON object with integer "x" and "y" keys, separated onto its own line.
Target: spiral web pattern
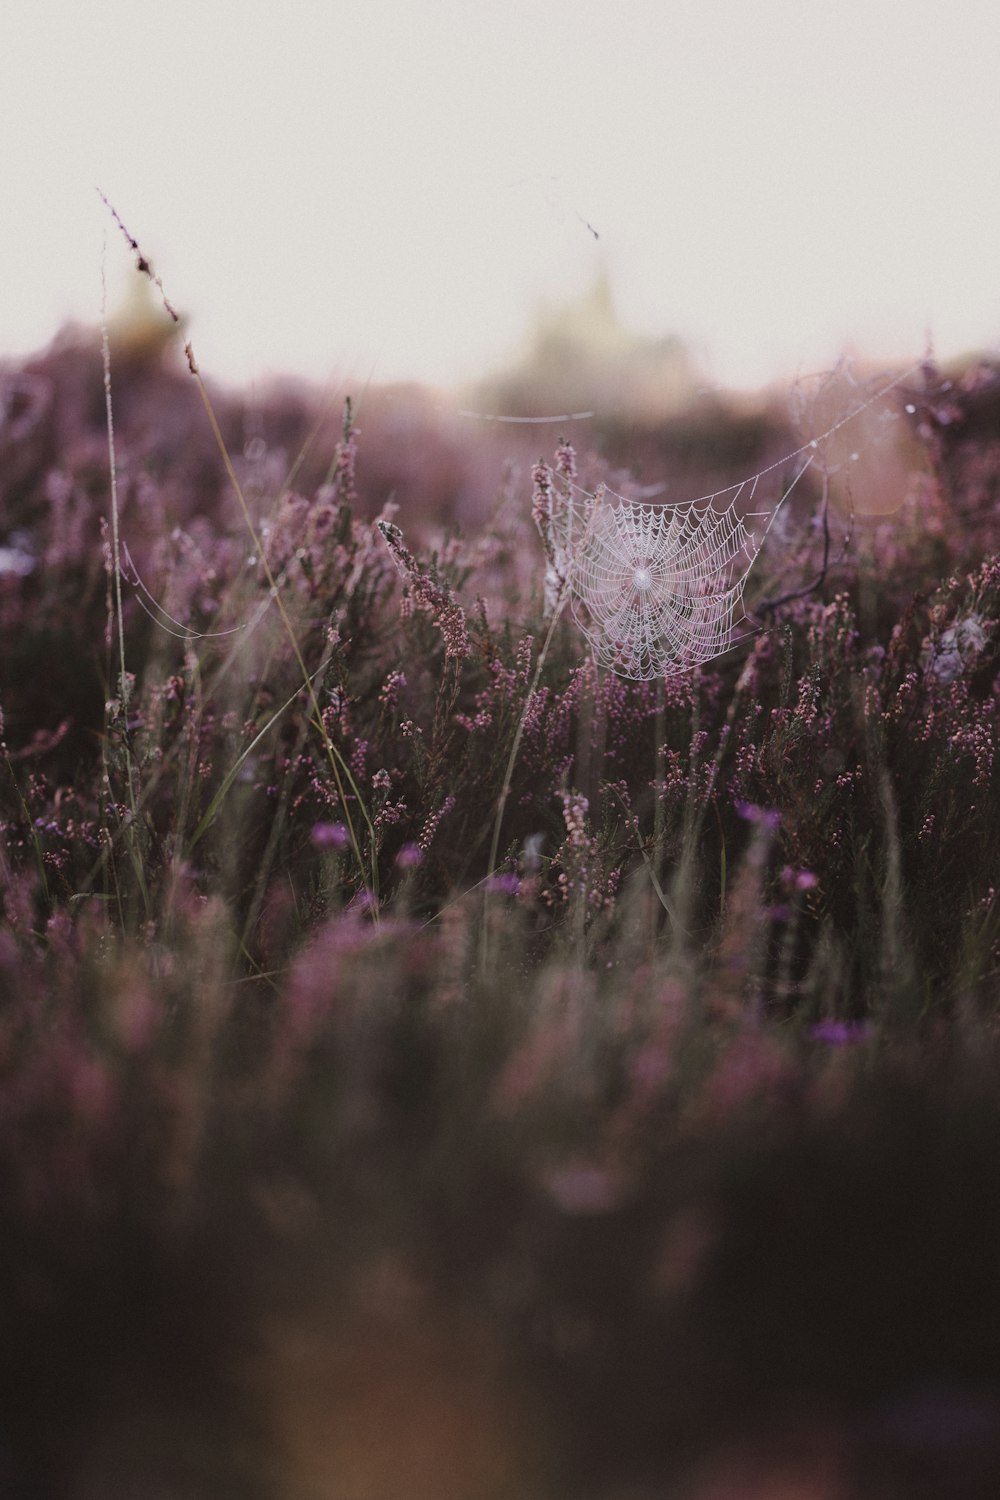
{"x": 659, "y": 589}
{"x": 656, "y": 589}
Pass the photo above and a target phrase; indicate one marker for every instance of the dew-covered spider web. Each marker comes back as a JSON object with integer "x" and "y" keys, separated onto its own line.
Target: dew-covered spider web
{"x": 658, "y": 589}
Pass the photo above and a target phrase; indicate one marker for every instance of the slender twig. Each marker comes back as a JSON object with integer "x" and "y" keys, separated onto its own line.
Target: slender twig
{"x": 338, "y": 765}
{"x": 337, "y": 762}
{"x": 113, "y": 464}
{"x": 116, "y": 575}
{"x": 516, "y": 744}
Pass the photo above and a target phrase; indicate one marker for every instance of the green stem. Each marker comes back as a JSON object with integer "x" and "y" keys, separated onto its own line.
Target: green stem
{"x": 338, "y": 764}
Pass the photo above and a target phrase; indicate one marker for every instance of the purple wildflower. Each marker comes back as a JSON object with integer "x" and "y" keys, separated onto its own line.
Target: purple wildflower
{"x": 541, "y": 505}
{"x": 428, "y": 594}
{"x": 330, "y": 836}
{"x": 763, "y": 817}
{"x": 799, "y": 880}
{"x": 566, "y": 460}
{"x": 409, "y": 856}
{"x": 840, "y": 1033}
{"x": 364, "y": 900}
{"x": 430, "y": 827}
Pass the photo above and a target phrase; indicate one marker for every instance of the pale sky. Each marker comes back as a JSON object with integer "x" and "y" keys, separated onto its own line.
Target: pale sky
{"x": 388, "y": 189}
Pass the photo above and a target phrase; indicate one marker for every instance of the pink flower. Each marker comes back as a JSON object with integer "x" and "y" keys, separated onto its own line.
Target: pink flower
{"x": 329, "y": 836}
{"x": 840, "y": 1033}
{"x": 764, "y": 817}
{"x": 799, "y": 880}
{"x": 364, "y": 900}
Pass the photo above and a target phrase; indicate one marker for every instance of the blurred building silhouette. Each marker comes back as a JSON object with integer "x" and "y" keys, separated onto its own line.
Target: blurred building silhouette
{"x": 581, "y": 356}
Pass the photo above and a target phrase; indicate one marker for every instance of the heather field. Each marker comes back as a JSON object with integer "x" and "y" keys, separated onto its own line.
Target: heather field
{"x": 434, "y": 1066}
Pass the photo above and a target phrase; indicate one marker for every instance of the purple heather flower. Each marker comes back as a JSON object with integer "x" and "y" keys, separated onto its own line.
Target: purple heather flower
{"x": 764, "y": 817}
{"x": 799, "y": 880}
{"x": 566, "y": 460}
{"x": 409, "y": 856}
{"x": 840, "y": 1033}
{"x": 507, "y": 885}
{"x": 364, "y": 900}
{"x": 330, "y": 836}
{"x": 427, "y": 594}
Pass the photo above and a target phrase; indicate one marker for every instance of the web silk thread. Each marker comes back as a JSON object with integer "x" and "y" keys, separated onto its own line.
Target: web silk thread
{"x": 658, "y": 589}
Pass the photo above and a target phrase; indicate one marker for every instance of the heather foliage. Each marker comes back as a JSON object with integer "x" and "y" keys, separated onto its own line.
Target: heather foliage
{"x": 570, "y": 1140}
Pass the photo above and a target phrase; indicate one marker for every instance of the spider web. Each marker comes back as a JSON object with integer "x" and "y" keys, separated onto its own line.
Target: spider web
{"x": 658, "y": 589}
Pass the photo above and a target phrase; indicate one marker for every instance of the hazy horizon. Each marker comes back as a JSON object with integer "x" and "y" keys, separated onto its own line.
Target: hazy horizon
{"x": 393, "y": 193}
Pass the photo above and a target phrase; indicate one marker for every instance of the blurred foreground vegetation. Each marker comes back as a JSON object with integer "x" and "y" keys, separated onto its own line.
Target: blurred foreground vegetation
{"x": 663, "y": 1158}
